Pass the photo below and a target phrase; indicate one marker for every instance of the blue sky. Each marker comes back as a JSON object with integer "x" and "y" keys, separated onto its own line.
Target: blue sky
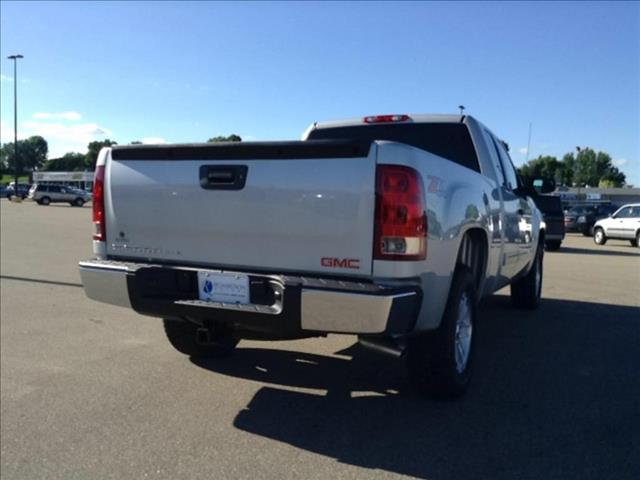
{"x": 182, "y": 72}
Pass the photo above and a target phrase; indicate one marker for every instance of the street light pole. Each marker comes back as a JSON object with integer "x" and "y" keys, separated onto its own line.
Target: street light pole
{"x": 15, "y": 120}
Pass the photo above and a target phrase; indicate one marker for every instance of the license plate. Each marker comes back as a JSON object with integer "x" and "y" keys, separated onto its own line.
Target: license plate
{"x": 223, "y": 287}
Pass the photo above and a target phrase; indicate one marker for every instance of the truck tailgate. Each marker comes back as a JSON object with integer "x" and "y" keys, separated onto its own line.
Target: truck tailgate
{"x": 300, "y": 206}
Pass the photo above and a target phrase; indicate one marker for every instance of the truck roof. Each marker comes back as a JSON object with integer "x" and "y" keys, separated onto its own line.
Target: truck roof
{"x": 416, "y": 118}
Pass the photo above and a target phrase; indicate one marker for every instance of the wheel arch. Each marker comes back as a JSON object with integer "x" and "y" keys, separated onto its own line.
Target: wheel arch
{"x": 473, "y": 252}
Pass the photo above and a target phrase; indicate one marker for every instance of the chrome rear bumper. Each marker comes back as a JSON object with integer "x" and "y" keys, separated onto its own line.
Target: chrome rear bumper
{"x": 305, "y": 304}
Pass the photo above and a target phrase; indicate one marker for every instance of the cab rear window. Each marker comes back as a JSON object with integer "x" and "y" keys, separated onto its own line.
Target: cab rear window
{"x": 448, "y": 140}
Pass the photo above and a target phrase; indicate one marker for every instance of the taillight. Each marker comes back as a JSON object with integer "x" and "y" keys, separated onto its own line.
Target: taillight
{"x": 400, "y": 218}
{"x": 386, "y": 118}
{"x": 99, "y": 232}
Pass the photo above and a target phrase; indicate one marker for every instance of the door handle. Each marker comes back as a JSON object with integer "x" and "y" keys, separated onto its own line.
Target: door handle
{"x": 223, "y": 177}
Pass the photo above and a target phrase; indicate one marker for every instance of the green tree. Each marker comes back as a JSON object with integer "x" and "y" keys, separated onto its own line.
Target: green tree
{"x": 543, "y": 166}
{"x": 587, "y": 167}
{"x": 3, "y": 161}
{"x": 613, "y": 178}
{"x": 93, "y": 149}
{"x": 591, "y": 167}
{"x": 32, "y": 153}
{"x": 70, "y": 162}
{"x": 231, "y": 138}
{"x": 569, "y": 165}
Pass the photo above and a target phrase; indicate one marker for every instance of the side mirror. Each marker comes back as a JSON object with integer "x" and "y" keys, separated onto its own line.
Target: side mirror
{"x": 543, "y": 185}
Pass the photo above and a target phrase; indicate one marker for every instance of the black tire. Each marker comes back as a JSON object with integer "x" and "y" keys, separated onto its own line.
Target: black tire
{"x": 433, "y": 366}
{"x": 552, "y": 245}
{"x": 634, "y": 242}
{"x": 78, "y": 202}
{"x": 637, "y": 239}
{"x": 599, "y": 237}
{"x": 182, "y": 336}
{"x": 526, "y": 291}
{"x": 45, "y": 201}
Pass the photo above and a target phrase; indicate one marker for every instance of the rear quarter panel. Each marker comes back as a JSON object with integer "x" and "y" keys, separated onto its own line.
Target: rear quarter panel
{"x": 457, "y": 199}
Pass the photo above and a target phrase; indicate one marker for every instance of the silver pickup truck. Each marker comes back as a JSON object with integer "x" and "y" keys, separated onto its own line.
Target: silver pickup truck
{"x": 389, "y": 227}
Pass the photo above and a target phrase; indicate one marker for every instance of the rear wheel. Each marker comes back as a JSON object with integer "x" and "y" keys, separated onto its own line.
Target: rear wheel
{"x": 78, "y": 202}
{"x": 635, "y": 242}
{"x": 45, "y": 201}
{"x": 183, "y": 336}
{"x": 526, "y": 291}
{"x": 599, "y": 237}
{"x": 440, "y": 362}
{"x": 552, "y": 245}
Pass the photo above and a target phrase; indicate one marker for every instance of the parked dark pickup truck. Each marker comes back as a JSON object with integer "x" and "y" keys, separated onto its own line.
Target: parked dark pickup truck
{"x": 551, "y": 208}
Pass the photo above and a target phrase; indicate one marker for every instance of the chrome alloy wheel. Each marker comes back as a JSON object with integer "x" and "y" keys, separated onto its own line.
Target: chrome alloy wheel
{"x": 464, "y": 330}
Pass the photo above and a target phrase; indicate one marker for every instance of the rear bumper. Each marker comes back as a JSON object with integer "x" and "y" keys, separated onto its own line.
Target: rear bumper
{"x": 282, "y": 306}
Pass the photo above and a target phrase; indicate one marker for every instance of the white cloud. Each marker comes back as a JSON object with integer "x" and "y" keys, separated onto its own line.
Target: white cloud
{"x": 63, "y": 138}
{"x": 522, "y": 150}
{"x": 71, "y": 116}
{"x": 6, "y": 132}
{"x": 153, "y": 140}
{"x": 618, "y": 162}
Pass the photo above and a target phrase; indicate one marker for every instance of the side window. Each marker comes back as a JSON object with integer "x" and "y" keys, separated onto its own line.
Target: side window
{"x": 624, "y": 213}
{"x": 507, "y": 167}
{"x": 43, "y": 188}
{"x": 495, "y": 158}
{"x": 54, "y": 189}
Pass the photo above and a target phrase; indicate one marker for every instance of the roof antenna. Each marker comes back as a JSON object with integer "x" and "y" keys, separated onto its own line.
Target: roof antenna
{"x": 461, "y": 107}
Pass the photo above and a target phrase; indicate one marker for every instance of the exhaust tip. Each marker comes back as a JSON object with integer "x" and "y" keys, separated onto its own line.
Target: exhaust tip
{"x": 386, "y": 346}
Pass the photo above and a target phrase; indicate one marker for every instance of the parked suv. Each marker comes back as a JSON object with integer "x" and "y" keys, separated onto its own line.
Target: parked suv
{"x": 623, "y": 225}
{"x": 46, "y": 194}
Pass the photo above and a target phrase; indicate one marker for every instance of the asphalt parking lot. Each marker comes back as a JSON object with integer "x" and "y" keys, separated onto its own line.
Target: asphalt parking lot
{"x": 93, "y": 391}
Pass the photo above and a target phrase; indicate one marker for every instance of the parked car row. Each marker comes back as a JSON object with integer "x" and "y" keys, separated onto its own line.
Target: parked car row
{"x": 45, "y": 194}
{"x": 582, "y": 218}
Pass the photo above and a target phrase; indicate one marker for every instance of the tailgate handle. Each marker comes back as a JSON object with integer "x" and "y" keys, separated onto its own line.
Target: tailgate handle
{"x": 223, "y": 177}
